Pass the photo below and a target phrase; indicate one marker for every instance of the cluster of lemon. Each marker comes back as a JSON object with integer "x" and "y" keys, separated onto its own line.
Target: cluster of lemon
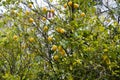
{"x": 13, "y": 12}
{"x": 45, "y": 29}
{"x": 75, "y": 5}
{"x": 31, "y": 39}
{"x": 44, "y": 9}
{"x": 15, "y": 37}
{"x": 70, "y": 3}
{"x": 31, "y": 20}
{"x": 60, "y": 50}
{"x": 59, "y": 30}
{"x": 55, "y": 47}
{"x": 23, "y": 46}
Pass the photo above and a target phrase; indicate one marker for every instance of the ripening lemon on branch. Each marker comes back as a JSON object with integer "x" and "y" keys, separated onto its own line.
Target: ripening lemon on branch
{"x": 60, "y": 30}
{"x": 13, "y": 12}
{"x": 60, "y": 48}
{"x": 82, "y": 14}
{"x": 55, "y": 57}
{"x": 27, "y": 12}
{"x": 44, "y": 19}
{"x": 70, "y": 3}
{"x": 30, "y": 5}
{"x": 44, "y": 9}
{"x": 45, "y": 28}
{"x": 52, "y": 10}
{"x": 62, "y": 52}
{"x": 31, "y": 39}
{"x": 31, "y": 20}
{"x": 76, "y": 6}
{"x": 15, "y": 37}
{"x": 65, "y": 5}
{"x": 54, "y": 48}
{"x": 50, "y": 38}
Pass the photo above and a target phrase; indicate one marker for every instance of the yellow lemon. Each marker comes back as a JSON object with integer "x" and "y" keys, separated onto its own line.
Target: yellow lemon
{"x": 30, "y": 5}
{"x": 70, "y": 3}
{"x": 45, "y": 28}
{"x": 44, "y": 19}
{"x": 31, "y": 20}
{"x": 63, "y": 52}
{"x": 50, "y": 38}
{"x": 76, "y": 5}
{"x": 44, "y": 9}
{"x": 27, "y": 12}
{"x": 13, "y": 12}
{"x": 58, "y": 29}
{"x": 56, "y": 57}
{"x": 54, "y": 48}
{"x": 52, "y": 10}
{"x": 62, "y": 30}
{"x": 15, "y": 37}
{"x": 31, "y": 39}
{"x": 60, "y": 48}
{"x": 82, "y": 14}
{"x": 65, "y": 5}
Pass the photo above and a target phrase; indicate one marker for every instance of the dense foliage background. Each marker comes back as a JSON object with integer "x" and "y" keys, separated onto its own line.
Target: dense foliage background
{"x": 72, "y": 45}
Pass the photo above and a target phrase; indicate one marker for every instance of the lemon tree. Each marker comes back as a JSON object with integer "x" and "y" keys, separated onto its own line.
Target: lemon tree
{"x": 73, "y": 44}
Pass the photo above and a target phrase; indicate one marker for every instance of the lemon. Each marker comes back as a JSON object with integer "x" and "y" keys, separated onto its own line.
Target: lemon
{"x": 54, "y": 48}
